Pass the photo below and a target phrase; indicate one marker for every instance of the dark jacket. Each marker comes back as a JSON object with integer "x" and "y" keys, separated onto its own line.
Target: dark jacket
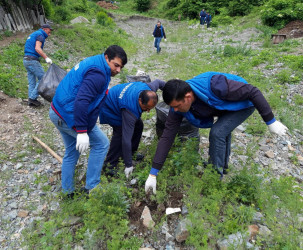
{"x": 159, "y": 31}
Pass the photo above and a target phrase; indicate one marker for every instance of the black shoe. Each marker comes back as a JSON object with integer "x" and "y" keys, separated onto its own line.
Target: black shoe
{"x": 225, "y": 171}
{"x": 70, "y": 196}
{"x": 84, "y": 192}
{"x": 159, "y": 50}
{"x": 33, "y": 103}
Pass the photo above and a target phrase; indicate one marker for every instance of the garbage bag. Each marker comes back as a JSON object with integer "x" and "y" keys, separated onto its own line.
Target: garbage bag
{"x": 144, "y": 78}
{"x": 186, "y": 130}
{"x": 50, "y": 81}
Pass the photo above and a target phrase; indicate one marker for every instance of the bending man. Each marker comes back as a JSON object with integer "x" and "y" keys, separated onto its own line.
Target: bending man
{"x": 122, "y": 110}
{"x": 200, "y": 99}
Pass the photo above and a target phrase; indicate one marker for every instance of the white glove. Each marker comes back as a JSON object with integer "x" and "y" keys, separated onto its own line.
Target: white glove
{"x": 48, "y": 60}
{"x": 277, "y": 128}
{"x": 128, "y": 171}
{"x": 165, "y": 39}
{"x": 82, "y": 142}
{"x": 151, "y": 182}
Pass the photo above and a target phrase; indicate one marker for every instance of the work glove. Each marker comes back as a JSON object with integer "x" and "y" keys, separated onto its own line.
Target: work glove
{"x": 151, "y": 182}
{"x": 165, "y": 39}
{"x": 128, "y": 171}
{"x": 82, "y": 142}
{"x": 48, "y": 60}
{"x": 277, "y": 128}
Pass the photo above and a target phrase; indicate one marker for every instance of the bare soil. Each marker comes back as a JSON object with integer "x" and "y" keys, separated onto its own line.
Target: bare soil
{"x": 293, "y": 29}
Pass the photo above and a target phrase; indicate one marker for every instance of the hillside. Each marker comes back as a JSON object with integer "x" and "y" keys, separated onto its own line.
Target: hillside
{"x": 29, "y": 175}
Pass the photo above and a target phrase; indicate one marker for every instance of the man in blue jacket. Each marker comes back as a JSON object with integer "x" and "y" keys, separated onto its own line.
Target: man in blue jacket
{"x": 33, "y": 50}
{"x": 202, "y": 16}
{"x": 208, "y": 95}
{"x": 122, "y": 110}
{"x": 75, "y": 109}
{"x": 158, "y": 34}
{"x": 208, "y": 19}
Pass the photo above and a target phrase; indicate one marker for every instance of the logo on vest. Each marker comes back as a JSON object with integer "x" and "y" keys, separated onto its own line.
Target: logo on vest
{"x": 124, "y": 90}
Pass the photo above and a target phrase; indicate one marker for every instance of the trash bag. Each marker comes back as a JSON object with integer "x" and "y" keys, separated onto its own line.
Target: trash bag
{"x": 144, "y": 78}
{"x": 50, "y": 81}
{"x": 186, "y": 129}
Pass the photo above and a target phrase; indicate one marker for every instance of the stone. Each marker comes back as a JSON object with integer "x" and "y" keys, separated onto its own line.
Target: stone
{"x": 23, "y": 213}
{"x": 233, "y": 241}
{"x": 270, "y": 154}
{"x": 181, "y": 232}
{"x": 79, "y": 19}
{"x": 147, "y": 219}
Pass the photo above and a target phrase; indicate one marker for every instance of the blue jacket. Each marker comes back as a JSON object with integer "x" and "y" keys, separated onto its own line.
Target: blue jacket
{"x": 161, "y": 29}
{"x": 121, "y": 96}
{"x": 201, "y": 86}
{"x": 67, "y": 93}
{"x": 29, "y": 48}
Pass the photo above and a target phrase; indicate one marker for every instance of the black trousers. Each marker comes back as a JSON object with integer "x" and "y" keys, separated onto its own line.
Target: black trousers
{"x": 115, "y": 148}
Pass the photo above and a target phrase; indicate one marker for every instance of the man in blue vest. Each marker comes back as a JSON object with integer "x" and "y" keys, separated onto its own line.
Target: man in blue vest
{"x": 208, "y": 19}
{"x": 33, "y": 50}
{"x": 122, "y": 110}
{"x": 202, "y": 16}
{"x": 158, "y": 34}
{"x": 75, "y": 109}
{"x": 208, "y": 95}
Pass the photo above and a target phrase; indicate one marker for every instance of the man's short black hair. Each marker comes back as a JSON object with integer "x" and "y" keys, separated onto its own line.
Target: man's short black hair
{"x": 116, "y": 51}
{"x": 147, "y": 95}
{"x": 175, "y": 89}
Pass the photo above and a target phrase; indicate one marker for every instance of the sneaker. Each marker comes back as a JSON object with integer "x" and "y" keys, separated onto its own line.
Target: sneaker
{"x": 139, "y": 157}
{"x": 33, "y": 103}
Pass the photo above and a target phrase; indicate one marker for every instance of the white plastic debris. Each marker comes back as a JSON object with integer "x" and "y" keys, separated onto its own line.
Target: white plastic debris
{"x": 171, "y": 210}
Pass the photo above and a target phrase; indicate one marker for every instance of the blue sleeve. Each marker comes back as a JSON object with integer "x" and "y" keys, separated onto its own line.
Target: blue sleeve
{"x": 156, "y": 84}
{"x": 40, "y": 39}
{"x": 92, "y": 85}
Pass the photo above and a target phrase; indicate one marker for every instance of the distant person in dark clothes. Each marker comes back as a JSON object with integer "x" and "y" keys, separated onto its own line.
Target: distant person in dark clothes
{"x": 33, "y": 50}
{"x": 122, "y": 110}
{"x": 208, "y": 19}
{"x": 158, "y": 34}
{"x": 202, "y": 17}
{"x": 208, "y": 95}
{"x": 75, "y": 110}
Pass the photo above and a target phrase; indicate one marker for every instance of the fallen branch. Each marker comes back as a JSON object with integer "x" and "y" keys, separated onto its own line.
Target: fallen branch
{"x": 48, "y": 149}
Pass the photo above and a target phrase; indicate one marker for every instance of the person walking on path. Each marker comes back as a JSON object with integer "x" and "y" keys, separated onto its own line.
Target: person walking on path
{"x": 208, "y": 19}
{"x": 74, "y": 112}
{"x": 122, "y": 111}
{"x": 202, "y": 16}
{"x": 158, "y": 34}
{"x": 33, "y": 50}
{"x": 208, "y": 95}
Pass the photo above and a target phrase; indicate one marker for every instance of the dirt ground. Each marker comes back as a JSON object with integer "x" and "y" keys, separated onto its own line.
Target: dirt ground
{"x": 293, "y": 29}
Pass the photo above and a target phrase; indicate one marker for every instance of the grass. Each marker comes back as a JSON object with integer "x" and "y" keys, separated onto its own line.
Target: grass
{"x": 216, "y": 209}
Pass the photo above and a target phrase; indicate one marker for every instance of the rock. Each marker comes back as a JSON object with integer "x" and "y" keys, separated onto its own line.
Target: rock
{"x": 233, "y": 241}
{"x": 270, "y": 154}
{"x": 70, "y": 221}
{"x": 264, "y": 231}
{"x": 147, "y": 219}
{"x": 23, "y": 213}
{"x": 181, "y": 232}
{"x": 79, "y": 19}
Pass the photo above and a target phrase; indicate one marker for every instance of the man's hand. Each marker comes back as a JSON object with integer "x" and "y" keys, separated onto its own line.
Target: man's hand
{"x": 82, "y": 142}
{"x": 128, "y": 171}
{"x": 165, "y": 39}
{"x": 151, "y": 182}
{"x": 48, "y": 60}
{"x": 277, "y": 128}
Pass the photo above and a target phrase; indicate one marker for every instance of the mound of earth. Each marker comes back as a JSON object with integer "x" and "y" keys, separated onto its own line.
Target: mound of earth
{"x": 107, "y": 5}
{"x": 293, "y": 29}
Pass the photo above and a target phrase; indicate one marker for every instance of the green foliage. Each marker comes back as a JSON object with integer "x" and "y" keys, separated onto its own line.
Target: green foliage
{"x": 142, "y": 5}
{"x": 61, "y": 55}
{"x": 103, "y": 19}
{"x": 62, "y": 14}
{"x": 47, "y": 7}
{"x": 239, "y": 50}
{"x": 278, "y": 13}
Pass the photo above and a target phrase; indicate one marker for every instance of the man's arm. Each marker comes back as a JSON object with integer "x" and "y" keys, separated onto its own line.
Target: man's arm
{"x": 39, "y": 50}
{"x": 156, "y": 84}
{"x": 92, "y": 85}
{"x": 128, "y": 126}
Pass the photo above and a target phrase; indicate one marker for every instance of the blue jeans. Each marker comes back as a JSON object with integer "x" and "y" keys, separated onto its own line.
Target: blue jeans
{"x": 220, "y": 137}
{"x": 98, "y": 149}
{"x": 157, "y": 43}
{"x": 35, "y": 73}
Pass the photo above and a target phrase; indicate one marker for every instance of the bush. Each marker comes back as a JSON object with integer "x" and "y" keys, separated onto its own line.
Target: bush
{"x": 103, "y": 19}
{"x": 142, "y": 5}
{"x": 62, "y": 14}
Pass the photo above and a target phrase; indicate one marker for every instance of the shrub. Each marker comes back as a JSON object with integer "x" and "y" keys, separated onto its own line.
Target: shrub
{"x": 103, "y": 19}
{"x": 62, "y": 14}
{"x": 142, "y": 5}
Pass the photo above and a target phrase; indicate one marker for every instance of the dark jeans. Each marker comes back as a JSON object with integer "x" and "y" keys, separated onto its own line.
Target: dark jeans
{"x": 115, "y": 149}
{"x": 220, "y": 137}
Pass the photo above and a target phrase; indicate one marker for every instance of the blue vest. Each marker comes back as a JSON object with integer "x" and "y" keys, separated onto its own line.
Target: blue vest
{"x": 201, "y": 86}
{"x": 68, "y": 88}
{"x": 161, "y": 29}
{"x": 29, "y": 48}
{"x": 121, "y": 96}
